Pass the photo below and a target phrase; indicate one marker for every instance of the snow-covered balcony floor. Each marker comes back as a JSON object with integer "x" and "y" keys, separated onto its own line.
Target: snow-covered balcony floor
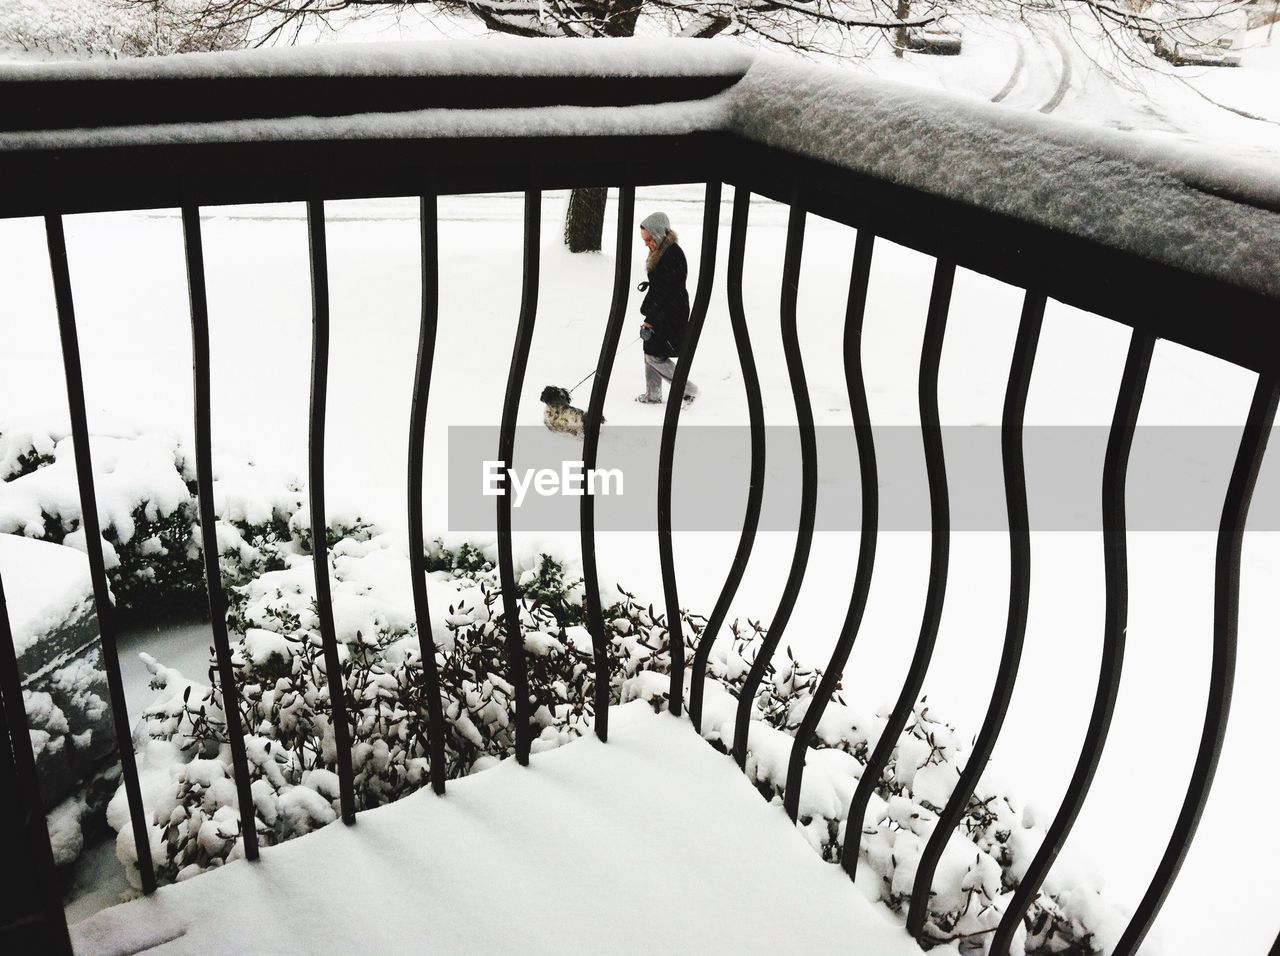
{"x": 652, "y": 843}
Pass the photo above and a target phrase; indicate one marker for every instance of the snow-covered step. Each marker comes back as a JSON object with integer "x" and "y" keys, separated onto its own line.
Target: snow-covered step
{"x": 653, "y": 842}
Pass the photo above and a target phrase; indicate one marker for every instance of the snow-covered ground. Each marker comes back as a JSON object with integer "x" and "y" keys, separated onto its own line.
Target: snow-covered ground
{"x": 704, "y": 866}
{"x": 131, "y": 299}
{"x": 1040, "y": 65}
{"x": 129, "y": 284}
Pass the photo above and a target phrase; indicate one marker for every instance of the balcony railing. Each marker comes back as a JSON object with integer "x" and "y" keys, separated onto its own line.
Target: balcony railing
{"x": 1092, "y": 225}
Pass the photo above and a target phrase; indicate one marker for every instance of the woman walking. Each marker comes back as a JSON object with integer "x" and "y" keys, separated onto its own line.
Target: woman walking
{"x": 665, "y": 307}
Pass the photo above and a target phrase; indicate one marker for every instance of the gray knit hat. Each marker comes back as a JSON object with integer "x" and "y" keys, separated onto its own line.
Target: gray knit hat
{"x": 657, "y": 225}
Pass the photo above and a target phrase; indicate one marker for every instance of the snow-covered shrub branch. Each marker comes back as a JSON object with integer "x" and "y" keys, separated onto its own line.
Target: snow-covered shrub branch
{"x": 108, "y": 29}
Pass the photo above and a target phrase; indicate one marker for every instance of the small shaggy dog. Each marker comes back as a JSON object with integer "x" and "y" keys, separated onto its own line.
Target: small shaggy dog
{"x": 559, "y": 415}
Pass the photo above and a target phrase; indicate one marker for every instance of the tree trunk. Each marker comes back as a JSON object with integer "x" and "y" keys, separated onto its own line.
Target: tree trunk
{"x": 584, "y": 219}
{"x": 900, "y": 34}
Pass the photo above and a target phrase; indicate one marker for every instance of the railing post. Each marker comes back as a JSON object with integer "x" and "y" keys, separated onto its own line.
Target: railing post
{"x": 430, "y": 243}
{"x": 1226, "y": 620}
{"x": 315, "y": 486}
{"x": 861, "y": 412}
{"x": 1115, "y": 622}
{"x": 519, "y": 676}
{"x": 209, "y": 523}
{"x": 808, "y": 478}
{"x": 92, "y": 530}
{"x": 939, "y": 555}
{"x": 667, "y": 449}
{"x": 49, "y": 933}
{"x": 591, "y": 444}
{"x": 1015, "y": 490}
{"x": 755, "y": 485}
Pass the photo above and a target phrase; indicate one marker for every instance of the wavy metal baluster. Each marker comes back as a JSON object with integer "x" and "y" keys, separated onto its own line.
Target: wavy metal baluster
{"x": 590, "y": 445}
{"x": 940, "y": 549}
{"x": 667, "y": 450}
{"x": 856, "y": 386}
{"x": 315, "y": 483}
{"x": 15, "y": 739}
{"x": 808, "y": 472}
{"x": 755, "y": 487}
{"x": 430, "y": 243}
{"x": 1226, "y": 608}
{"x": 1115, "y": 619}
{"x": 1015, "y": 489}
{"x": 209, "y": 524}
{"x": 506, "y": 448}
{"x": 93, "y": 542}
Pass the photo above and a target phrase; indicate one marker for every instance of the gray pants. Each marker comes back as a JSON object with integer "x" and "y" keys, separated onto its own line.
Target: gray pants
{"x": 655, "y": 370}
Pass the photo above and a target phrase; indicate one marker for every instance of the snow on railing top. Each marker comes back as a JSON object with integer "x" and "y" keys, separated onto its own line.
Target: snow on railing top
{"x": 495, "y": 56}
{"x": 851, "y": 118}
{"x": 647, "y": 119}
{"x": 1155, "y": 196}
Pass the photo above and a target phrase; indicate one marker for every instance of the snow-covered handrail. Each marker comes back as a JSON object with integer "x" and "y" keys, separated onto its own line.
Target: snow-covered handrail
{"x": 187, "y": 96}
{"x": 495, "y": 56}
{"x": 1151, "y": 196}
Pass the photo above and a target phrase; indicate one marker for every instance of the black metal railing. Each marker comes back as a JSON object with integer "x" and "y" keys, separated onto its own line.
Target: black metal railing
{"x": 1155, "y": 299}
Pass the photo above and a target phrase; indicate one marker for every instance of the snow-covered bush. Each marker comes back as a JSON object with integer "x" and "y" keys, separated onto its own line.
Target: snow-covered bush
{"x": 285, "y": 708}
{"x": 106, "y": 29}
{"x": 146, "y": 494}
{"x": 149, "y": 515}
{"x": 82, "y": 815}
{"x": 22, "y": 451}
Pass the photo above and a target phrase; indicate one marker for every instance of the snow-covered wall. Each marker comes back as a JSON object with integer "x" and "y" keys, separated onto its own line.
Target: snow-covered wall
{"x": 1160, "y": 198}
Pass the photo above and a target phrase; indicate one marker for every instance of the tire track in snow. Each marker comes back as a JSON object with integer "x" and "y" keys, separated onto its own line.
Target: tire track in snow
{"x": 1018, "y": 64}
{"x": 1064, "y": 79}
{"x": 1022, "y": 75}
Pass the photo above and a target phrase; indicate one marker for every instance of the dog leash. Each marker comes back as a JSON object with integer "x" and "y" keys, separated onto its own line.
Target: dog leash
{"x": 597, "y": 371}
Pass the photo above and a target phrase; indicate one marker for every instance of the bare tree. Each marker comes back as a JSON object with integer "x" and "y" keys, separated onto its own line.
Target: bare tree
{"x": 784, "y": 22}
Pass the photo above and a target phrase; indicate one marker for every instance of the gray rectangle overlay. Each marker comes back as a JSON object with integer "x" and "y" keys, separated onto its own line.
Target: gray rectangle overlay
{"x": 1177, "y": 479}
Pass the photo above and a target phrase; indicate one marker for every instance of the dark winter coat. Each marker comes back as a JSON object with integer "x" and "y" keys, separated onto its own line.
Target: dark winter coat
{"x": 666, "y": 301}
